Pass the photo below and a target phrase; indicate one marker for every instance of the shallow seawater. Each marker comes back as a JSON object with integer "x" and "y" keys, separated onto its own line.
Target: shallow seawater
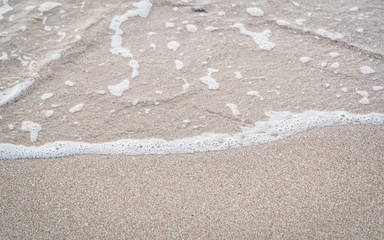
{"x": 158, "y": 77}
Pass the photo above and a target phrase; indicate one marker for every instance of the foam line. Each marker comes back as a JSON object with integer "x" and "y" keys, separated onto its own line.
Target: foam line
{"x": 280, "y": 125}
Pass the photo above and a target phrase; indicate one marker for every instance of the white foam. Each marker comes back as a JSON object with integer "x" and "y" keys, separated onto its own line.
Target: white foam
{"x": 221, "y": 13}
{"x": 56, "y": 56}
{"x": 23, "y": 28}
{"x": 76, "y": 108}
{"x": 46, "y": 96}
{"x": 69, "y": 83}
{"x": 4, "y": 56}
{"x": 169, "y": 25}
{"x": 330, "y": 35}
{"x": 33, "y": 128}
{"x": 11, "y": 18}
{"x": 377, "y": 88}
{"x": 344, "y": 89}
{"x": 279, "y": 126}
{"x": 4, "y": 9}
{"x": 256, "y": 12}
{"x": 335, "y": 65}
{"x": 142, "y": 9}
{"x": 209, "y": 80}
{"x": 210, "y": 28}
{"x": 173, "y": 45}
{"x": 295, "y": 3}
{"x": 366, "y": 70}
{"x": 256, "y": 94}
{"x": 354, "y": 9}
{"x": 300, "y": 21}
{"x": 282, "y": 23}
{"x": 365, "y": 95}
{"x": 44, "y": 7}
{"x": 11, "y": 126}
{"x": 62, "y": 36}
{"x": 360, "y": 30}
{"x": 323, "y": 64}
{"x": 334, "y": 54}
{"x": 238, "y": 75}
{"x": 119, "y": 89}
{"x": 29, "y": 8}
{"x": 48, "y": 113}
{"x": 234, "y": 109}
{"x": 261, "y": 39}
{"x": 191, "y": 28}
{"x": 179, "y": 64}
{"x": 12, "y": 93}
{"x": 305, "y": 59}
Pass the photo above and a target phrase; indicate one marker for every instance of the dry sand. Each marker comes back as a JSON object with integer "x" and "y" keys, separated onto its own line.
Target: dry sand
{"x": 326, "y": 183}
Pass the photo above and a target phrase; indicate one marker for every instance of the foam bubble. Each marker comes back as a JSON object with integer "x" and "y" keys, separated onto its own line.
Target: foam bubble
{"x": 238, "y": 75}
{"x": 335, "y": 65}
{"x": 261, "y": 39}
{"x": 334, "y": 54}
{"x": 256, "y": 94}
{"x": 330, "y": 35}
{"x": 69, "y": 83}
{"x": 56, "y": 56}
{"x": 169, "y": 25}
{"x": 209, "y": 80}
{"x": 29, "y": 8}
{"x": 173, "y": 45}
{"x": 282, "y": 23}
{"x": 256, "y": 12}
{"x": 45, "y": 96}
{"x": 179, "y": 64}
{"x": 305, "y": 59}
{"x": 48, "y": 113}
{"x": 119, "y": 89}
{"x": 377, "y": 88}
{"x": 4, "y": 9}
{"x": 234, "y": 109}
{"x": 210, "y": 28}
{"x": 4, "y": 56}
{"x": 33, "y": 128}
{"x": 365, "y": 95}
{"x": 76, "y": 108}
{"x": 367, "y": 70}
{"x": 44, "y": 7}
{"x": 300, "y": 21}
{"x": 191, "y": 28}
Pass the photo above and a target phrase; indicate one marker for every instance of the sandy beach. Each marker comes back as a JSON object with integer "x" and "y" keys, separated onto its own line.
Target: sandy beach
{"x": 323, "y": 184}
{"x": 191, "y": 119}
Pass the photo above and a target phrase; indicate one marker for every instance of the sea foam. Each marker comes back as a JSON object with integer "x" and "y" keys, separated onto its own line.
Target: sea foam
{"x": 279, "y": 126}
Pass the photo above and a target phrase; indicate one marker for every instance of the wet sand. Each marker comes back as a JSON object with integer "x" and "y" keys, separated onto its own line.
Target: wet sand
{"x": 325, "y": 183}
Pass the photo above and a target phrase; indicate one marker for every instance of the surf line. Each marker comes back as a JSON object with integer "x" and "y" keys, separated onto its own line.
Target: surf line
{"x": 279, "y": 126}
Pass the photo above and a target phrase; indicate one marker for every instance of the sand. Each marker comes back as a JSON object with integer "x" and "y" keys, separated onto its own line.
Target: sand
{"x": 322, "y": 183}
{"x": 325, "y": 183}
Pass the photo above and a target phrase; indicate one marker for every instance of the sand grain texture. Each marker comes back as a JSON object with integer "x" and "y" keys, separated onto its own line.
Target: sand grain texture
{"x": 322, "y": 184}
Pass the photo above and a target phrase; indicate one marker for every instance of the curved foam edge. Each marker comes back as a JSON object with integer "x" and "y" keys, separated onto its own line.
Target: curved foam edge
{"x": 279, "y": 126}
